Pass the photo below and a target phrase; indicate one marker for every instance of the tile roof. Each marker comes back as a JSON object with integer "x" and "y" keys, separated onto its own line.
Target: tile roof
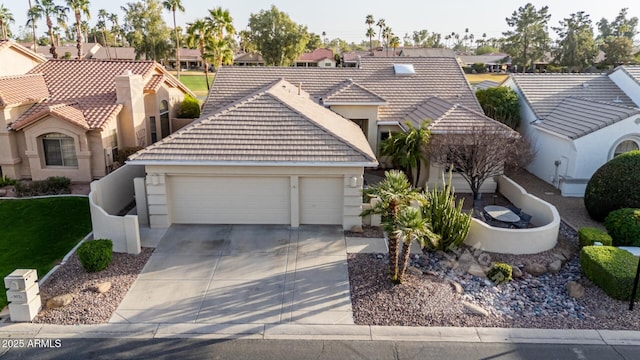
{"x": 485, "y": 84}
{"x": 544, "y": 92}
{"x": 89, "y": 86}
{"x": 451, "y": 118}
{"x": 316, "y": 55}
{"x": 633, "y": 71}
{"x": 435, "y": 76}
{"x": 68, "y": 112}
{"x": 498, "y": 58}
{"x": 427, "y": 52}
{"x": 114, "y": 52}
{"x": 272, "y": 125}
{"x": 575, "y": 117}
{"x": 22, "y": 89}
{"x": 154, "y": 83}
{"x": 349, "y": 92}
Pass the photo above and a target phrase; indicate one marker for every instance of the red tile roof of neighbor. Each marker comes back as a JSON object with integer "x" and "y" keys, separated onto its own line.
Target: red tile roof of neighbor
{"x": 316, "y": 55}
{"x": 84, "y": 91}
{"x": 22, "y": 89}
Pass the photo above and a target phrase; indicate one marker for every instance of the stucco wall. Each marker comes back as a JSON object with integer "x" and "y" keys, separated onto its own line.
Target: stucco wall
{"x": 369, "y": 112}
{"x": 157, "y": 189}
{"x": 550, "y": 148}
{"x": 15, "y": 62}
{"x": 108, "y": 196}
{"x": 518, "y": 241}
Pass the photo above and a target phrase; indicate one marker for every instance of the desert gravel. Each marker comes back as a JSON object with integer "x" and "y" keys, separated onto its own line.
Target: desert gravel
{"x": 89, "y": 307}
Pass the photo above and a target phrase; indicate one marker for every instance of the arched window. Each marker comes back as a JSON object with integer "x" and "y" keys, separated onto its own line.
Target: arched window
{"x": 164, "y": 118}
{"x": 59, "y": 150}
{"x": 625, "y": 146}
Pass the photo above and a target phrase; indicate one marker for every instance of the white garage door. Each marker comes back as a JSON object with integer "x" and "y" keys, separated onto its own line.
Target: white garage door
{"x": 321, "y": 200}
{"x": 229, "y": 200}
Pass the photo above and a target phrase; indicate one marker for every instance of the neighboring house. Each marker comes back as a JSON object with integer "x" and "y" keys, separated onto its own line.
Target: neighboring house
{"x": 88, "y": 50}
{"x": 577, "y": 122}
{"x": 70, "y": 117}
{"x": 248, "y": 59}
{"x": 115, "y": 53}
{"x": 495, "y": 62}
{"x": 274, "y": 156}
{"x": 316, "y": 58}
{"x": 17, "y": 59}
{"x": 190, "y": 59}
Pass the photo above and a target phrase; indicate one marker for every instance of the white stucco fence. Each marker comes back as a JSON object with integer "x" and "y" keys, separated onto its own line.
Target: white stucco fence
{"x": 110, "y": 195}
{"x": 518, "y": 241}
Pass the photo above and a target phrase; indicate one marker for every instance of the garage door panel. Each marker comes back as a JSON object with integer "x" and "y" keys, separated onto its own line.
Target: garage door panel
{"x": 230, "y": 200}
{"x": 321, "y": 200}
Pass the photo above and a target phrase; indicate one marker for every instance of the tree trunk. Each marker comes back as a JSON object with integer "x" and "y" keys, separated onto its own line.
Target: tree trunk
{"x": 393, "y": 245}
{"x": 78, "y": 34}
{"x": 52, "y": 49}
{"x": 404, "y": 259}
{"x": 175, "y": 30}
{"x": 33, "y": 29}
{"x": 204, "y": 63}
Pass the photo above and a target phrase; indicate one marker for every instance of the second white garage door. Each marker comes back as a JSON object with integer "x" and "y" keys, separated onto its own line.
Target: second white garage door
{"x": 321, "y": 200}
{"x": 229, "y": 200}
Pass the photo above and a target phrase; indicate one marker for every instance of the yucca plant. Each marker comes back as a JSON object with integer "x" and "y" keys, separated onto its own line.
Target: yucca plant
{"x": 446, "y": 217}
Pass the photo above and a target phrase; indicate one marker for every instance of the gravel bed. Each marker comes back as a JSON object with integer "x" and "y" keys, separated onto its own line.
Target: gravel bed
{"x": 427, "y": 298}
{"x": 89, "y": 307}
{"x": 367, "y": 232}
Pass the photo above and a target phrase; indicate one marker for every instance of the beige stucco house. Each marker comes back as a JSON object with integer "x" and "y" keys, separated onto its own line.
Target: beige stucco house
{"x": 17, "y": 59}
{"x": 70, "y": 117}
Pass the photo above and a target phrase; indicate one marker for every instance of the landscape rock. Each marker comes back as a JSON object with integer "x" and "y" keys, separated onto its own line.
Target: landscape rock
{"x": 466, "y": 258}
{"x": 59, "y": 301}
{"x": 102, "y": 287}
{"x": 567, "y": 253}
{"x": 413, "y": 270}
{"x": 3, "y": 192}
{"x": 575, "y": 290}
{"x": 457, "y": 287}
{"x": 477, "y": 270}
{"x": 357, "y": 229}
{"x": 516, "y": 272}
{"x": 555, "y": 266}
{"x": 475, "y": 309}
{"x": 535, "y": 269}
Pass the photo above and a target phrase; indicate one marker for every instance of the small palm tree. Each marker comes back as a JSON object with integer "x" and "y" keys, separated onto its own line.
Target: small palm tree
{"x": 79, "y": 7}
{"x": 411, "y": 226}
{"x": 49, "y": 9}
{"x": 394, "y": 42}
{"x": 6, "y": 17}
{"x": 173, "y": 6}
{"x": 407, "y": 149}
{"x": 370, "y": 33}
{"x": 395, "y": 193}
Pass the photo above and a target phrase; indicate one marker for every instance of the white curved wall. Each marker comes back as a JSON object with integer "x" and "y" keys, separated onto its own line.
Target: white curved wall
{"x": 518, "y": 241}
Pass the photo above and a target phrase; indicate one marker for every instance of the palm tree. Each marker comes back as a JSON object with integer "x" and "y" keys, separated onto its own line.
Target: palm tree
{"x": 370, "y": 33}
{"x": 394, "y": 42}
{"x": 173, "y": 6}
{"x": 197, "y": 36}
{"x": 219, "y": 52}
{"x": 220, "y": 24}
{"x": 412, "y": 226}
{"x": 49, "y": 9}
{"x": 79, "y": 7}
{"x": 5, "y": 18}
{"x": 33, "y": 17}
{"x": 381, "y": 24}
{"x": 395, "y": 195}
{"x": 115, "y": 28}
{"x": 407, "y": 149}
{"x": 102, "y": 25}
{"x": 386, "y": 34}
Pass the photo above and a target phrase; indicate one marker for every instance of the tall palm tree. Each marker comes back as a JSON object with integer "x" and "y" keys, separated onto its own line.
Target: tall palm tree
{"x": 33, "y": 16}
{"x": 395, "y": 194}
{"x": 102, "y": 25}
{"x": 49, "y": 9}
{"x": 381, "y": 24}
{"x": 370, "y": 33}
{"x": 6, "y": 17}
{"x": 386, "y": 34}
{"x": 115, "y": 28}
{"x": 198, "y": 33}
{"x": 79, "y": 7}
{"x": 220, "y": 24}
{"x": 173, "y": 6}
{"x": 394, "y": 42}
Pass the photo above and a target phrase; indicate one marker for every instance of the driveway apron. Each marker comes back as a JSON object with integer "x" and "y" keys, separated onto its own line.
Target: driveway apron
{"x": 265, "y": 274}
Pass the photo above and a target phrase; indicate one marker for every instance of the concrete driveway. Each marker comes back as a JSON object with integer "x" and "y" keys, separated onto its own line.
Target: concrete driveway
{"x": 243, "y": 274}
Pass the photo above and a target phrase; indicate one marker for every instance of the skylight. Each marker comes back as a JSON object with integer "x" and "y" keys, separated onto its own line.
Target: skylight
{"x": 404, "y": 69}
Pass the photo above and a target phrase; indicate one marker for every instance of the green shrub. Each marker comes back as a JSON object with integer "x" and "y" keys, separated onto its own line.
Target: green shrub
{"x": 190, "y": 108}
{"x": 612, "y": 269}
{"x": 624, "y": 227}
{"x": 55, "y": 185}
{"x": 446, "y": 218}
{"x": 95, "y": 255}
{"x": 4, "y": 181}
{"x": 479, "y": 68}
{"x": 588, "y": 235}
{"x": 500, "y": 273}
{"x": 615, "y": 185}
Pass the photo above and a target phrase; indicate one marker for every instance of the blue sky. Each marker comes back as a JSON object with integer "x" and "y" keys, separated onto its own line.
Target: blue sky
{"x": 345, "y": 19}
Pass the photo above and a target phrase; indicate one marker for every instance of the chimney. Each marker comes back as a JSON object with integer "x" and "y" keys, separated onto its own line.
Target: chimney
{"x": 131, "y": 120}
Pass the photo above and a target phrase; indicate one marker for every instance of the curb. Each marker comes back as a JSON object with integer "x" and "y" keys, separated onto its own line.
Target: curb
{"x": 64, "y": 259}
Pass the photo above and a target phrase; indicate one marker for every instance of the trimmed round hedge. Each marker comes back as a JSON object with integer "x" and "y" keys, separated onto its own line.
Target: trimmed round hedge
{"x": 95, "y": 255}
{"x": 615, "y": 185}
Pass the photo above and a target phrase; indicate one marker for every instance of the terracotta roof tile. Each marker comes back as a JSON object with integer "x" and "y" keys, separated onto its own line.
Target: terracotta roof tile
{"x": 434, "y": 76}
{"x": 22, "y": 89}
{"x": 274, "y": 124}
{"x": 154, "y": 83}
{"x": 68, "y": 112}
{"x": 577, "y": 117}
{"x": 316, "y": 55}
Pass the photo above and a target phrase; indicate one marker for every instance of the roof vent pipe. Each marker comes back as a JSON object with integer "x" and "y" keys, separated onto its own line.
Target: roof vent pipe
{"x": 299, "y": 88}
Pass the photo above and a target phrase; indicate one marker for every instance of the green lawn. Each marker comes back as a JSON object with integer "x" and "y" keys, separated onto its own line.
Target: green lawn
{"x": 476, "y": 78}
{"x": 196, "y": 82}
{"x": 38, "y": 233}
